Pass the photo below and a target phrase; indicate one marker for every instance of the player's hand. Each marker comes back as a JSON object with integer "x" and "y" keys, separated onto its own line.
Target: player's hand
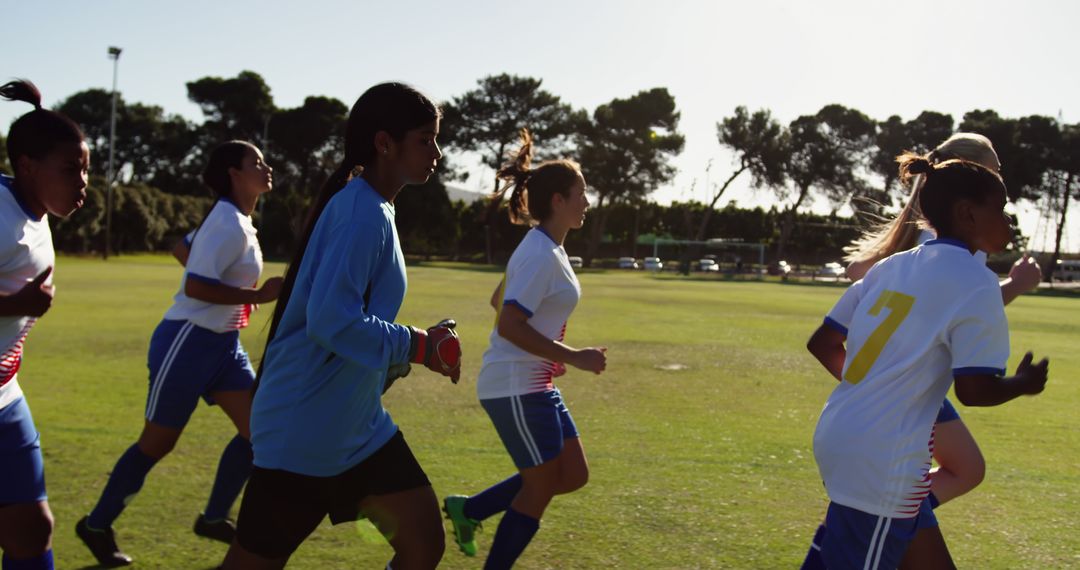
{"x": 591, "y": 359}
{"x": 438, "y": 348}
{"x": 1026, "y": 273}
{"x": 558, "y": 369}
{"x": 1032, "y": 376}
{"x": 35, "y": 298}
{"x": 270, "y": 290}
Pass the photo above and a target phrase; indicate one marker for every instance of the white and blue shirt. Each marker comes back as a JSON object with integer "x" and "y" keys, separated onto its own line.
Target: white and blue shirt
{"x": 26, "y": 249}
{"x": 916, "y": 320}
{"x": 225, "y": 249}
{"x": 541, "y": 283}
{"x": 318, "y": 409}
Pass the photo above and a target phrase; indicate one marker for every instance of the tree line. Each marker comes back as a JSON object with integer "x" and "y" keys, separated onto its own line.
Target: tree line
{"x": 625, "y": 148}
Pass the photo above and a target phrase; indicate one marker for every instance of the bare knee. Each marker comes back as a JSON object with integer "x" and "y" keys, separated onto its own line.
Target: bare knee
{"x": 574, "y": 480}
{"x": 33, "y": 536}
{"x": 422, "y": 546}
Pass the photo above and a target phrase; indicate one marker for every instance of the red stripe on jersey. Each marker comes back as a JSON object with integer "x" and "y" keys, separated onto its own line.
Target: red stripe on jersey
{"x": 12, "y": 358}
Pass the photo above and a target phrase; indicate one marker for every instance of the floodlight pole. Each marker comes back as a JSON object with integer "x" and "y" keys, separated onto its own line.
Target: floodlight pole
{"x": 114, "y": 54}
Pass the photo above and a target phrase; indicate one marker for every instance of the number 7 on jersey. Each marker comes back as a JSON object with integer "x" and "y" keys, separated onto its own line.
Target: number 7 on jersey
{"x": 899, "y": 306}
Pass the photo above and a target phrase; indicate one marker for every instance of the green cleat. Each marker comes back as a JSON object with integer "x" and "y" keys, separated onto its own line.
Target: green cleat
{"x": 464, "y": 527}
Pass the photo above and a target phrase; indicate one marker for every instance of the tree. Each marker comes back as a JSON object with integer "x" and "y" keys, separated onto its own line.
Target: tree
{"x": 625, "y": 153}
{"x": 235, "y": 108}
{"x": 488, "y": 120}
{"x": 304, "y": 146}
{"x": 894, "y": 137}
{"x": 826, "y": 151}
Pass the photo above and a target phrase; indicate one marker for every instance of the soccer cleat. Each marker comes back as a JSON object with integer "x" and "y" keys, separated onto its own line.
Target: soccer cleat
{"x": 222, "y": 530}
{"x": 464, "y": 527}
{"x": 102, "y": 545}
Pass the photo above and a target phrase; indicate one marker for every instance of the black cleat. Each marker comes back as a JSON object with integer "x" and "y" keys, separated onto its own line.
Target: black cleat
{"x": 102, "y": 545}
{"x": 222, "y": 530}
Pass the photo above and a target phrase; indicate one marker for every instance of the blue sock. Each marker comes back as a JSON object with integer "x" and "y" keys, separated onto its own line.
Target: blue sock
{"x": 232, "y": 473}
{"x": 514, "y": 534}
{"x": 124, "y": 483}
{"x": 40, "y": 562}
{"x": 813, "y": 559}
{"x": 934, "y": 502}
{"x": 494, "y": 499}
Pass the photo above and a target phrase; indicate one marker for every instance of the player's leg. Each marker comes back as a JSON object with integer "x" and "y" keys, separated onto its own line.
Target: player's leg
{"x": 26, "y": 523}
{"x": 410, "y": 521}
{"x": 232, "y": 391}
{"x": 928, "y": 551}
{"x": 961, "y": 466}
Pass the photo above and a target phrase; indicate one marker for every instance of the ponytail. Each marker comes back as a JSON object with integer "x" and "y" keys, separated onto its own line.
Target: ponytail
{"x": 533, "y": 188}
{"x": 39, "y": 132}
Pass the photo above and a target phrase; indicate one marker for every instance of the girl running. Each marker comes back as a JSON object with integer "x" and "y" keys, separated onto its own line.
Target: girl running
{"x": 195, "y": 352}
{"x": 323, "y": 443}
{"x": 961, "y": 466}
{"x": 526, "y": 351}
{"x": 919, "y": 320}
{"x": 50, "y": 159}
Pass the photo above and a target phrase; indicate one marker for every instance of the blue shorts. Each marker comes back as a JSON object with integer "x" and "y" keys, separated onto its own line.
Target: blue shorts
{"x": 532, "y": 426}
{"x": 947, "y": 413}
{"x": 856, "y": 539}
{"x": 187, "y": 362}
{"x": 927, "y": 518}
{"x": 22, "y": 471}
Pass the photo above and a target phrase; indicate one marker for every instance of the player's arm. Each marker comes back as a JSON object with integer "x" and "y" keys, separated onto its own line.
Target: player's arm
{"x": 217, "y": 293}
{"x": 827, "y": 345}
{"x": 497, "y": 294}
{"x": 33, "y": 300}
{"x": 1024, "y": 276}
{"x": 514, "y": 326}
{"x": 181, "y": 250}
{"x": 992, "y": 390}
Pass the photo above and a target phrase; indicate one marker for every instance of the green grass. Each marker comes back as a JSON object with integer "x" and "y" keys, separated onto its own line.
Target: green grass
{"x": 710, "y": 466}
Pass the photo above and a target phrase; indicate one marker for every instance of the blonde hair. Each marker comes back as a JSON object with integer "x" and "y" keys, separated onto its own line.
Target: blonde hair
{"x": 902, "y": 232}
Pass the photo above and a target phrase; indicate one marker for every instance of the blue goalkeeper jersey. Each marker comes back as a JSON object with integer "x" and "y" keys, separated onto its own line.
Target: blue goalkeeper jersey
{"x": 318, "y": 409}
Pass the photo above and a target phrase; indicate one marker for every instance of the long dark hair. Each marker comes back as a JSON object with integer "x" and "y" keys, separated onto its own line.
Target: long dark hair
{"x": 38, "y": 132}
{"x": 532, "y": 188}
{"x": 394, "y": 108}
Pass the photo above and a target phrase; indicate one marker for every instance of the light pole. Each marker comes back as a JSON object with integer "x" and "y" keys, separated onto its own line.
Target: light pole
{"x": 114, "y": 54}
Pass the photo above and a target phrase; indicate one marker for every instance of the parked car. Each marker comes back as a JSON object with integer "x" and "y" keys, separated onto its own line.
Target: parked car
{"x": 1067, "y": 270}
{"x": 653, "y": 264}
{"x": 708, "y": 265}
{"x": 628, "y": 263}
{"x": 832, "y": 269}
{"x": 575, "y": 261}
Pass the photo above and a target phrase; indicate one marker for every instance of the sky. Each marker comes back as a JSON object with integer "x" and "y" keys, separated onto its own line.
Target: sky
{"x": 882, "y": 58}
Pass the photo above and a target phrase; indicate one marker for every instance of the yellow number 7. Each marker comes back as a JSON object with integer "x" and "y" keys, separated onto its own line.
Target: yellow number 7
{"x": 899, "y": 306}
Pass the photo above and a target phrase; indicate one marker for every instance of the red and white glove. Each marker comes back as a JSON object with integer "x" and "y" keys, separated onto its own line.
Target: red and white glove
{"x": 437, "y": 348}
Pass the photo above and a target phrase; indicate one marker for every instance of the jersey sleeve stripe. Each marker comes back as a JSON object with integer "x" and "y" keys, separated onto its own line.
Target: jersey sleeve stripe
{"x": 204, "y": 279}
{"x": 833, "y": 324}
{"x": 977, "y": 370}
{"x": 515, "y": 303}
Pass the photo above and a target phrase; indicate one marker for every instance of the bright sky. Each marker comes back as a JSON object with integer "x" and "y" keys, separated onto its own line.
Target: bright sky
{"x": 882, "y": 58}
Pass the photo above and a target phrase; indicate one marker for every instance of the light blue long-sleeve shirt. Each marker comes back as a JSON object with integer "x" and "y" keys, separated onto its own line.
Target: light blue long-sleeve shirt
{"x": 318, "y": 409}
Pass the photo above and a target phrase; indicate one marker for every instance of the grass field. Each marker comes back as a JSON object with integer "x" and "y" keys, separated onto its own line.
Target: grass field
{"x": 709, "y": 466}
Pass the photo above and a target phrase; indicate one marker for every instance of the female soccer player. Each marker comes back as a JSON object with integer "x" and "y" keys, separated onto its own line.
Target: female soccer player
{"x": 323, "y": 443}
{"x": 195, "y": 352}
{"x": 919, "y": 320}
{"x": 515, "y": 385}
{"x": 49, "y": 158}
{"x": 961, "y": 466}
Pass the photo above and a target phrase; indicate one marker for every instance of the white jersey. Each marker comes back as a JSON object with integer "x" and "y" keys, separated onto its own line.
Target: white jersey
{"x": 225, "y": 250}
{"x": 26, "y": 250}
{"x": 917, "y": 319}
{"x": 540, "y": 282}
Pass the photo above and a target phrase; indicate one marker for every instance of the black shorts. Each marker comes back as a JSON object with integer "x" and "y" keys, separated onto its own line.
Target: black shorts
{"x": 280, "y": 508}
